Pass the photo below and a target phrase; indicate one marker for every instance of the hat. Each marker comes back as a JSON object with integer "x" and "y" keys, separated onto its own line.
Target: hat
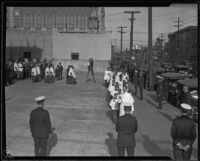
{"x": 40, "y": 98}
{"x": 186, "y": 106}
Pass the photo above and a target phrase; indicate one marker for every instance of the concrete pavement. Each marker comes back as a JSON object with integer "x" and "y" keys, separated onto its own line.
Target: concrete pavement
{"x": 81, "y": 120}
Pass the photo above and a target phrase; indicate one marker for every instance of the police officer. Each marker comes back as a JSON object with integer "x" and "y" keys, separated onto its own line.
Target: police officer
{"x": 126, "y": 127}
{"x": 183, "y": 133}
{"x": 141, "y": 85}
{"x": 40, "y": 126}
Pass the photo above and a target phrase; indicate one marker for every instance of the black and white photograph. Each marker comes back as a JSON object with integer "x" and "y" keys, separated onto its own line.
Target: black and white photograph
{"x": 102, "y": 81}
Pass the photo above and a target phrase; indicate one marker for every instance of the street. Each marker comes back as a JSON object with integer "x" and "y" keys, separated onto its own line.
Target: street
{"x": 81, "y": 118}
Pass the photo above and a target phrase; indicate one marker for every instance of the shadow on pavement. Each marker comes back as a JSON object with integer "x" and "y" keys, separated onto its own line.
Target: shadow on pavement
{"x": 152, "y": 148}
{"x": 150, "y": 102}
{"x": 52, "y": 141}
{"x": 195, "y": 153}
{"x": 153, "y": 97}
{"x": 112, "y": 144}
{"x": 109, "y": 114}
{"x": 168, "y": 117}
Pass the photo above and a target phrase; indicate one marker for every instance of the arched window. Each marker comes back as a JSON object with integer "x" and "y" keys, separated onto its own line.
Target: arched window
{"x": 82, "y": 23}
{"x": 49, "y": 21}
{"x": 27, "y": 21}
{"x": 38, "y": 21}
{"x": 60, "y": 21}
{"x": 17, "y": 19}
{"x": 71, "y": 22}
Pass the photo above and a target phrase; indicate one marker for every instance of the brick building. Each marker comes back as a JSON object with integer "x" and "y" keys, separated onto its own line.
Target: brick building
{"x": 187, "y": 45}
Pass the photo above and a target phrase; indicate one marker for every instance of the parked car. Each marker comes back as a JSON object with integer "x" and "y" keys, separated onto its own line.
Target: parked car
{"x": 188, "y": 93}
{"x": 171, "y": 79}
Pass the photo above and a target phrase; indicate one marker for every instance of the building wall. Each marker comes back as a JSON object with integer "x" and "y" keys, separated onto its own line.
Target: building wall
{"x": 187, "y": 45}
{"x": 96, "y": 46}
{"x": 87, "y": 45}
{"x": 44, "y": 44}
{"x": 37, "y": 42}
{"x": 71, "y": 19}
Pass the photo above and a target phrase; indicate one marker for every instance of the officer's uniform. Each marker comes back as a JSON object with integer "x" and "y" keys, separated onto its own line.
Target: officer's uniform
{"x": 126, "y": 127}
{"x": 183, "y": 133}
{"x": 40, "y": 126}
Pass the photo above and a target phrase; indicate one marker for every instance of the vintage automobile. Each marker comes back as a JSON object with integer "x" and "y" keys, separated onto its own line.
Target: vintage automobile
{"x": 181, "y": 68}
{"x": 187, "y": 89}
{"x": 171, "y": 79}
{"x": 167, "y": 66}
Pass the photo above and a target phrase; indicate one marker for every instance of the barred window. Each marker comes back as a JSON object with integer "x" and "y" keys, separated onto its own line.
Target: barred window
{"x": 27, "y": 21}
{"x": 60, "y": 21}
{"x": 38, "y": 21}
{"x": 49, "y": 21}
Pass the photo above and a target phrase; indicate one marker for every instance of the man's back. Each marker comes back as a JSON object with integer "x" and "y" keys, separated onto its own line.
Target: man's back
{"x": 126, "y": 127}
{"x": 40, "y": 123}
{"x": 183, "y": 130}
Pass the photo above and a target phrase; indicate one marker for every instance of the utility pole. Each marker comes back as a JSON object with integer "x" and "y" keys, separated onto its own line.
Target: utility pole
{"x": 150, "y": 48}
{"x": 131, "y": 33}
{"x": 161, "y": 38}
{"x": 177, "y": 38}
{"x": 121, "y": 32}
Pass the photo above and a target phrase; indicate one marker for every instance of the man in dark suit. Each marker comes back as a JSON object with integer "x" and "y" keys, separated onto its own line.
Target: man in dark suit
{"x": 91, "y": 70}
{"x": 126, "y": 127}
{"x": 40, "y": 126}
{"x": 183, "y": 133}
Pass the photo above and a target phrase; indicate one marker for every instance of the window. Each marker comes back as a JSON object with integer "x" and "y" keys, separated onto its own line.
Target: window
{"x": 27, "y": 21}
{"x": 82, "y": 22}
{"x": 38, "y": 21}
{"x": 17, "y": 22}
{"x": 74, "y": 56}
{"x": 60, "y": 21}
{"x": 71, "y": 22}
{"x": 49, "y": 21}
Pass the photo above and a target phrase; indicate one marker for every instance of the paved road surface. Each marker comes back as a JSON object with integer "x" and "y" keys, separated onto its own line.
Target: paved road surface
{"x": 82, "y": 122}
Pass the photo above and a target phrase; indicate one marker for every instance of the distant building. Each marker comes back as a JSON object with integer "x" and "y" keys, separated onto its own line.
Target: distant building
{"x": 186, "y": 50}
{"x": 70, "y": 35}
{"x": 70, "y": 19}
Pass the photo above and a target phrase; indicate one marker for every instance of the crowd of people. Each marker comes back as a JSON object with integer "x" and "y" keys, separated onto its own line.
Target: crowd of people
{"x": 121, "y": 102}
{"x": 20, "y": 70}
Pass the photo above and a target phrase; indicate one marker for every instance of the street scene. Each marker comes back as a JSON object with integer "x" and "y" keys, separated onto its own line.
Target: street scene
{"x": 102, "y": 81}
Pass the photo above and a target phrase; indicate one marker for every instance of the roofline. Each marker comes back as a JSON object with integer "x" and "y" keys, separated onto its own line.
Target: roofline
{"x": 184, "y": 29}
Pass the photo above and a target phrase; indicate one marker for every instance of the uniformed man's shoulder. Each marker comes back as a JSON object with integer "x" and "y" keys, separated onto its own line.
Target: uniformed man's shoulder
{"x": 181, "y": 118}
{"x": 129, "y": 117}
{"x": 39, "y": 110}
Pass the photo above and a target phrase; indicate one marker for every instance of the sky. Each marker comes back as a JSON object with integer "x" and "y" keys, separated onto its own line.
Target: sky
{"x": 163, "y": 22}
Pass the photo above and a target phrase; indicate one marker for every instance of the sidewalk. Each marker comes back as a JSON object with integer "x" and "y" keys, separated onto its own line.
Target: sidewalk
{"x": 155, "y": 125}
